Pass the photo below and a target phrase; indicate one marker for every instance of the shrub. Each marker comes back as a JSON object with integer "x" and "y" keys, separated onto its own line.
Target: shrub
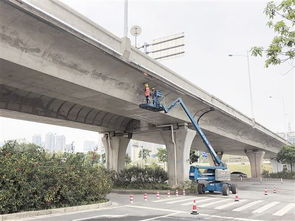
{"x": 141, "y": 178}
{"x": 31, "y": 179}
{"x": 284, "y": 175}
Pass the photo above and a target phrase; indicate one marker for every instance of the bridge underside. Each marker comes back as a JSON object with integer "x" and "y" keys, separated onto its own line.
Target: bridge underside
{"x": 52, "y": 73}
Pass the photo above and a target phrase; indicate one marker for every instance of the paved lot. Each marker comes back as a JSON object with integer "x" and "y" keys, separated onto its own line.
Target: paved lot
{"x": 253, "y": 205}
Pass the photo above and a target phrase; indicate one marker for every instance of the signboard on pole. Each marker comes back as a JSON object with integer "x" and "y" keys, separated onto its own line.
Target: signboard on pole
{"x": 167, "y": 47}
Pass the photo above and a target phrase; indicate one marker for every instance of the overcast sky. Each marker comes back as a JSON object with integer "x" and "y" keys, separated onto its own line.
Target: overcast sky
{"x": 213, "y": 29}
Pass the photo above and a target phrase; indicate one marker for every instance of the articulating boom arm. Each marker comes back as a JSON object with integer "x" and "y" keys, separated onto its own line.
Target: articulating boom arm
{"x": 179, "y": 101}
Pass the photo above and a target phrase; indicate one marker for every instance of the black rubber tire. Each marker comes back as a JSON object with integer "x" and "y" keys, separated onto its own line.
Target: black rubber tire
{"x": 211, "y": 191}
{"x": 200, "y": 188}
{"x": 233, "y": 188}
{"x": 225, "y": 189}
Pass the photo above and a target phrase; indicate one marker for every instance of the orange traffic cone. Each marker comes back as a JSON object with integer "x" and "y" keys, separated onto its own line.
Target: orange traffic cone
{"x": 274, "y": 190}
{"x": 176, "y": 193}
{"x": 265, "y": 191}
{"x": 194, "y": 211}
{"x": 168, "y": 193}
{"x": 158, "y": 195}
{"x": 145, "y": 197}
{"x": 131, "y": 198}
{"x": 237, "y": 198}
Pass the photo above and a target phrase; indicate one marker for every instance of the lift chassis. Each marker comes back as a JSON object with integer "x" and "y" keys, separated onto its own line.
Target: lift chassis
{"x": 209, "y": 178}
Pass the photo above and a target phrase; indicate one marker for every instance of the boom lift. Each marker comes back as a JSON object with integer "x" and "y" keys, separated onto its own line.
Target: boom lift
{"x": 214, "y": 178}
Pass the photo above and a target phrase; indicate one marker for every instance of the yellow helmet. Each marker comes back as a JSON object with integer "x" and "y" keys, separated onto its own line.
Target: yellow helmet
{"x": 146, "y": 85}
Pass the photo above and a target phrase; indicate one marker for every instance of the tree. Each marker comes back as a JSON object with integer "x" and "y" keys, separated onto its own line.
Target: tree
{"x": 127, "y": 159}
{"x": 162, "y": 155}
{"x": 92, "y": 157}
{"x": 103, "y": 158}
{"x": 193, "y": 157}
{"x": 287, "y": 155}
{"x": 282, "y": 20}
{"x": 144, "y": 154}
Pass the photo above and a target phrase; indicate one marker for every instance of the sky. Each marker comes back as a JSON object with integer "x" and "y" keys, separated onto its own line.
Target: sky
{"x": 213, "y": 30}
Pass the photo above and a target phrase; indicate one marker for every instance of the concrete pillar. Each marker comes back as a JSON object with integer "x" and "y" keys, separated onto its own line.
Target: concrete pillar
{"x": 183, "y": 139}
{"x": 255, "y": 158}
{"x": 115, "y": 147}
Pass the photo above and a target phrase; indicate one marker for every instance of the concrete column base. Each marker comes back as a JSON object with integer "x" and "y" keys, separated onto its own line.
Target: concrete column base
{"x": 255, "y": 158}
{"x": 178, "y": 152}
{"x": 115, "y": 147}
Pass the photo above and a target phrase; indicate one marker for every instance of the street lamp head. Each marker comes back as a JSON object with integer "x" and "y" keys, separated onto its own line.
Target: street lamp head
{"x": 230, "y": 55}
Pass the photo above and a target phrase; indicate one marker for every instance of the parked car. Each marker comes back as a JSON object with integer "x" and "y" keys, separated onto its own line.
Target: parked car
{"x": 238, "y": 174}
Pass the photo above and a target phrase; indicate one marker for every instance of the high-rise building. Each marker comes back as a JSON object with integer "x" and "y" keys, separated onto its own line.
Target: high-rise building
{"x": 60, "y": 143}
{"x": 89, "y": 145}
{"x": 36, "y": 139}
{"x": 50, "y": 141}
{"x": 291, "y": 137}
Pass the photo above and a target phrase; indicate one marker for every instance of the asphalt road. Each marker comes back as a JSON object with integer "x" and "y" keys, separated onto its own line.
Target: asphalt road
{"x": 253, "y": 205}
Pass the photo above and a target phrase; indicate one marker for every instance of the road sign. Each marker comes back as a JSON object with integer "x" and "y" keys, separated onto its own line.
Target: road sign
{"x": 167, "y": 47}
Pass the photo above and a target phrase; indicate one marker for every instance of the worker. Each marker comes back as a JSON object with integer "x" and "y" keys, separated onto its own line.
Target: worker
{"x": 153, "y": 93}
{"x": 147, "y": 93}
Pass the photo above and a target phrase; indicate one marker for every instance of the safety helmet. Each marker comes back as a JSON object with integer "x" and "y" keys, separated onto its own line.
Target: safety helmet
{"x": 146, "y": 85}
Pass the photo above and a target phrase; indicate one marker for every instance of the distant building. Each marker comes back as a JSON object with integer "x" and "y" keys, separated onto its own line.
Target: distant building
{"x": 135, "y": 147}
{"x": 36, "y": 139}
{"x": 50, "y": 141}
{"x": 60, "y": 143}
{"x": 290, "y": 136}
{"x": 89, "y": 145}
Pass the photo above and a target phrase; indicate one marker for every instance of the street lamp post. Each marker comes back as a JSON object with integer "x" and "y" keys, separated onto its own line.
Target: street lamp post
{"x": 250, "y": 84}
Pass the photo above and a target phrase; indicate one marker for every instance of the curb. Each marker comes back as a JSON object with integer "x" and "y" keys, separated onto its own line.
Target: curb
{"x": 30, "y": 214}
{"x": 136, "y": 191}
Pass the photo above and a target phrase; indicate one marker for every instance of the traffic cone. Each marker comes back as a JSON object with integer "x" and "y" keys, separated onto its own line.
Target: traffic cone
{"x": 176, "y": 193}
{"x": 265, "y": 191}
{"x": 274, "y": 190}
{"x": 131, "y": 198}
{"x": 194, "y": 210}
{"x": 158, "y": 195}
{"x": 183, "y": 192}
{"x": 237, "y": 198}
{"x": 168, "y": 193}
{"x": 145, "y": 197}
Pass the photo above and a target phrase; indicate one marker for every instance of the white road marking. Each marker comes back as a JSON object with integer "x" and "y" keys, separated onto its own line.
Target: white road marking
{"x": 168, "y": 199}
{"x": 248, "y": 205}
{"x": 228, "y": 204}
{"x": 101, "y": 216}
{"x": 198, "y": 201}
{"x": 201, "y": 214}
{"x": 215, "y": 202}
{"x": 267, "y": 206}
{"x": 285, "y": 209}
{"x": 158, "y": 217}
{"x": 228, "y": 217}
{"x": 153, "y": 208}
{"x": 183, "y": 200}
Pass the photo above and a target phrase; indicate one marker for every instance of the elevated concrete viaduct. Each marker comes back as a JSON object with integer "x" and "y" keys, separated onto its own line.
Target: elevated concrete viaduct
{"x": 58, "y": 67}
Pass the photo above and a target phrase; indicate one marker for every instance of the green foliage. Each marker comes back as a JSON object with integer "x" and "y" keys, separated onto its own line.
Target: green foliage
{"x": 127, "y": 159}
{"x": 162, "y": 155}
{"x": 144, "y": 154}
{"x": 282, "y": 20}
{"x": 284, "y": 175}
{"x": 141, "y": 178}
{"x": 287, "y": 155}
{"x": 193, "y": 157}
{"x": 92, "y": 157}
{"x": 31, "y": 179}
